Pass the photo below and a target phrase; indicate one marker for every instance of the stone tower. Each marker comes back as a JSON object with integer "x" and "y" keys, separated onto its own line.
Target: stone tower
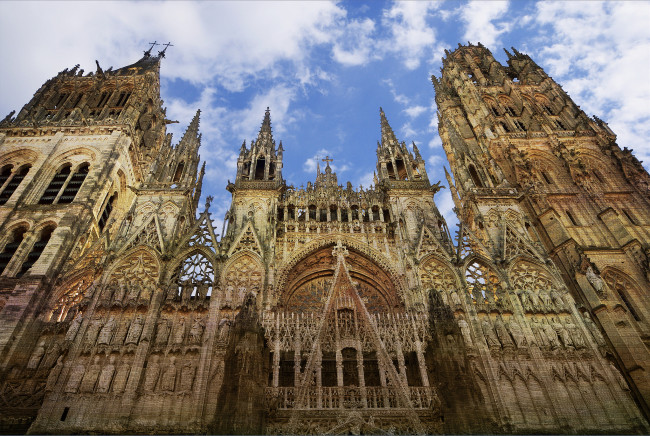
{"x": 534, "y": 176}
{"x": 324, "y": 308}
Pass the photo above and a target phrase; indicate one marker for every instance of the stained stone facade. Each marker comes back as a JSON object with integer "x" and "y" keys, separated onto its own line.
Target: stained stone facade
{"x": 325, "y": 308}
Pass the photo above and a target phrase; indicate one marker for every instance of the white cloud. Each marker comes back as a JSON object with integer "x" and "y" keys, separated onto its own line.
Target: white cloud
{"x": 411, "y": 36}
{"x": 415, "y": 111}
{"x": 480, "y": 16}
{"x": 309, "y": 166}
{"x": 355, "y": 46}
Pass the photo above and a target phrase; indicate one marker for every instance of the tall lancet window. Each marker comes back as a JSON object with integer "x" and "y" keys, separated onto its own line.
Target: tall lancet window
{"x": 75, "y": 182}
{"x": 10, "y": 248}
{"x": 37, "y": 250}
{"x": 13, "y": 183}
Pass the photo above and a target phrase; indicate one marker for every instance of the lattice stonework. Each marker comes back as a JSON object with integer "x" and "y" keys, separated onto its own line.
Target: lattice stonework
{"x": 195, "y": 276}
{"x": 243, "y": 276}
{"x": 481, "y": 280}
{"x": 435, "y": 275}
{"x": 530, "y": 277}
{"x": 135, "y": 277}
{"x": 70, "y": 298}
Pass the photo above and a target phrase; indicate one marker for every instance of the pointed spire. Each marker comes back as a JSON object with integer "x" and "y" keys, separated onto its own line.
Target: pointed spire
{"x": 416, "y": 151}
{"x": 192, "y": 132}
{"x": 265, "y": 136}
{"x": 266, "y": 123}
{"x": 387, "y": 134}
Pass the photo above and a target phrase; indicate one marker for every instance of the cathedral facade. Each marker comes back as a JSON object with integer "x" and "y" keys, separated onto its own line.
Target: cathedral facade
{"x": 322, "y": 309}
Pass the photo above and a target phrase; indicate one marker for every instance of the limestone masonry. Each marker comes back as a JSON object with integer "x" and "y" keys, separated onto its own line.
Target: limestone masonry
{"x": 323, "y": 309}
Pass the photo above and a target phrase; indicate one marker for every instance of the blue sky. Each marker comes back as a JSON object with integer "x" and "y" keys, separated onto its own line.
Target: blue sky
{"x": 325, "y": 68}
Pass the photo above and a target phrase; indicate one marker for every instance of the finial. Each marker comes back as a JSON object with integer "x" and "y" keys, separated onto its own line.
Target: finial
{"x": 162, "y": 52}
{"x": 327, "y": 160}
{"x": 208, "y": 200}
{"x": 99, "y": 69}
{"x": 147, "y": 53}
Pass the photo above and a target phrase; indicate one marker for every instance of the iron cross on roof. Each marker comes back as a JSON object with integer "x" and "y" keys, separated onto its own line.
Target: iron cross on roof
{"x": 328, "y": 160}
{"x": 153, "y": 44}
{"x": 162, "y": 52}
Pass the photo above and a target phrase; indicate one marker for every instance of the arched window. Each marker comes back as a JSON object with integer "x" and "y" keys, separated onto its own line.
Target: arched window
{"x": 482, "y": 281}
{"x": 13, "y": 183}
{"x": 5, "y": 173}
{"x": 10, "y": 248}
{"x": 75, "y": 182}
{"x": 37, "y": 249}
{"x": 55, "y": 185}
{"x": 573, "y": 221}
{"x": 106, "y": 213}
{"x": 179, "y": 172}
{"x": 623, "y": 287}
{"x": 195, "y": 278}
{"x": 474, "y": 174}
{"x": 259, "y": 168}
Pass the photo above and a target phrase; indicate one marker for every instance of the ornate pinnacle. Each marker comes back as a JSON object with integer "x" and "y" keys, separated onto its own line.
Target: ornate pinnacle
{"x": 208, "y": 200}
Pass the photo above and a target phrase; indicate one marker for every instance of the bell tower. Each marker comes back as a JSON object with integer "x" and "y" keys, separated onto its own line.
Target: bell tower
{"x": 521, "y": 150}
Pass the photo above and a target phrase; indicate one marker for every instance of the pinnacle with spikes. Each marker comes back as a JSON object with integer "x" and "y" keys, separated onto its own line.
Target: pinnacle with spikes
{"x": 265, "y": 137}
{"x": 387, "y": 135}
{"x": 192, "y": 135}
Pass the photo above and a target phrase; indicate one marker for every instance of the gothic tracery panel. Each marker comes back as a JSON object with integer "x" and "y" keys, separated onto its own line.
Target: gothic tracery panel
{"x": 244, "y": 275}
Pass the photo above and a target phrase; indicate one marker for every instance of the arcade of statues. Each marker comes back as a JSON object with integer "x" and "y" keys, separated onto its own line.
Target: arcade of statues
{"x": 323, "y": 309}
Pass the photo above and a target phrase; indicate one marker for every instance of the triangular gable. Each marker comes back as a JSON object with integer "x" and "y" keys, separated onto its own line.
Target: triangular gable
{"x": 247, "y": 240}
{"x": 87, "y": 254}
{"x": 148, "y": 234}
{"x": 201, "y": 234}
{"x": 428, "y": 244}
{"x": 469, "y": 244}
{"x": 343, "y": 294}
{"x": 514, "y": 244}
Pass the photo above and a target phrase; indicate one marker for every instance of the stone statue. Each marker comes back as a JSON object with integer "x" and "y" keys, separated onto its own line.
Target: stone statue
{"x": 162, "y": 332}
{"x": 74, "y": 327}
{"x": 153, "y": 371}
{"x": 503, "y": 334}
{"x": 196, "y": 332}
{"x": 595, "y": 332}
{"x": 550, "y": 334}
{"x": 556, "y": 297}
{"x": 562, "y": 333}
{"x": 119, "y": 383}
{"x": 135, "y": 289}
{"x": 464, "y": 329}
{"x": 576, "y": 335}
{"x": 187, "y": 377}
{"x": 546, "y": 301}
{"x": 489, "y": 334}
{"x": 106, "y": 376}
{"x": 74, "y": 379}
{"x": 455, "y": 300}
{"x": 596, "y": 281}
{"x": 525, "y": 301}
{"x": 224, "y": 329}
{"x": 90, "y": 377}
{"x": 540, "y": 337}
{"x": 93, "y": 331}
{"x": 106, "y": 333}
{"x": 168, "y": 379}
{"x": 135, "y": 330}
{"x": 120, "y": 291}
{"x": 147, "y": 292}
{"x": 179, "y": 331}
{"x": 517, "y": 334}
{"x": 36, "y": 356}
{"x": 53, "y": 376}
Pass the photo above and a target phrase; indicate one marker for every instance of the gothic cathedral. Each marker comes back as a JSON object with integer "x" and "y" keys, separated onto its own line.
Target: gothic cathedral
{"x": 323, "y": 309}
